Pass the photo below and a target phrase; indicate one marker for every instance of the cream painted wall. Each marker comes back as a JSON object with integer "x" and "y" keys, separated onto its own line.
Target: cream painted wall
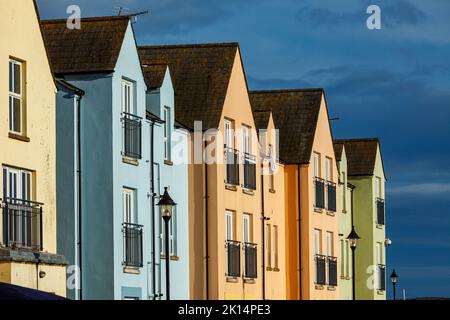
{"x": 22, "y": 40}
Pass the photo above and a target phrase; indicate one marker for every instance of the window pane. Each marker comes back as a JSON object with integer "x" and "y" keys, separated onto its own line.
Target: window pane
{"x": 11, "y": 76}
{"x": 15, "y": 115}
{"x": 17, "y": 78}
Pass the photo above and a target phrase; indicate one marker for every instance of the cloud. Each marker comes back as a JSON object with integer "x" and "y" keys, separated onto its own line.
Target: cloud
{"x": 422, "y": 189}
{"x": 393, "y": 14}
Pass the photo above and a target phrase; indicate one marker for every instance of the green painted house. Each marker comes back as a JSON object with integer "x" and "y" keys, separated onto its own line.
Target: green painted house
{"x": 364, "y": 173}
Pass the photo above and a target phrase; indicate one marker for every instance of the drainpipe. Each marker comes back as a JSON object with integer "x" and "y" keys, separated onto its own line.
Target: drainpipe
{"x": 299, "y": 235}
{"x": 206, "y": 227}
{"x": 78, "y": 103}
{"x": 153, "y": 195}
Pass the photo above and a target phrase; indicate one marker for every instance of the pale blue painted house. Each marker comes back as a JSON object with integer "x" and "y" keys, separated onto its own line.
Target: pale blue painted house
{"x": 171, "y": 171}
{"x": 108, "y": 136}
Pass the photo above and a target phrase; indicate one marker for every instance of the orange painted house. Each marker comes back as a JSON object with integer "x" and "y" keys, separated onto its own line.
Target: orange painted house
{"x": 273, "y": 191}
{"x": 224, "y": 199}
{"x": 310, "y": 178}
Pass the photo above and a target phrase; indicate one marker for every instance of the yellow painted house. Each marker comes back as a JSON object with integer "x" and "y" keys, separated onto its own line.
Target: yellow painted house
{"x": 27, "y": 142}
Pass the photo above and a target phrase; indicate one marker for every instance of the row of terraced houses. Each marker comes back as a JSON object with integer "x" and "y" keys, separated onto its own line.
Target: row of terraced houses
{"x": 96, "y": 132}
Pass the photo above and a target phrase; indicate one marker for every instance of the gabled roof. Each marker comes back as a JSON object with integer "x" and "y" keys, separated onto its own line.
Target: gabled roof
{"x": 154, "y": 75}
{"x": 200, "y": 74}
{"x": 295, "y": 113}
{"x": 361, "y": 155}
{"x": 93, "y": 48}
{"x": 338, "y": 148}
{"x": 261, "y": 119}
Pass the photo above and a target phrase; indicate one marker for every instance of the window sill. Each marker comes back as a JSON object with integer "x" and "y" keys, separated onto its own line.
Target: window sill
{"x": 318, "y": 287}
{"x": 131, "y": 270}
{"x": 230, "y": 187}
{"x": 232, "y": 279}
{"x": 331, "y": 288}
{"x": 269, "y": 269}
{"x": 380, "y": 292}
{"x": 130, "y": 161}
{"x": 249, "y": 192}
{"x": 379, "y": 226}
{"x": 168, "y": 163}
{"x": 18, "y": 137}
{"x": 331, "y": 213}
{"x": 173, "y": 258}
{"x": 318, "y": 210}
{"x": 249, "y": 281}
{"x": 276, "y": 270}
{"x": 272, "y": 190}
{"x": 344, "y": 211}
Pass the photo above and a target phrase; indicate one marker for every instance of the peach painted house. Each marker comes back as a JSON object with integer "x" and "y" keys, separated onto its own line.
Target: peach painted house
{"x": 273, "y": 193}
{"x": 224, "y": 200}
{"x": 310, "y": 178}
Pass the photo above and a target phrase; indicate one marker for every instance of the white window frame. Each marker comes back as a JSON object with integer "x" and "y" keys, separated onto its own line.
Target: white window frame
{"x": 246, "y": 228}
{"x": 269, "y": 245}
{"x": 330, "y": 248}
{"x": 246, "y": 147}
{"x": 127, "y": 96}
{"x": 275, "y": 246}
{"x": 271, "y": 171}
{"x": 19, "y": 174}
{"x": 173, "y": 232}
{"x": 318, "y": 241}
{"x": 316, "y": 165}
{"x": 167, "y": 133}
{"x": 328, "y": 169}
{"x": 128, "y": 205}
{"x": 378, "y": 187}
{"x": 229, "y": 221}
{"x": 228, "y": 133}
{"x": 18, "y": 96}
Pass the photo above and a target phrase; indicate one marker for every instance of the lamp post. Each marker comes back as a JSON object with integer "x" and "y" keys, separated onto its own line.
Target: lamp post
{"x": 394, "y": 278}
{"x": 353, "y": 238}
{"x": 166, "y": 205}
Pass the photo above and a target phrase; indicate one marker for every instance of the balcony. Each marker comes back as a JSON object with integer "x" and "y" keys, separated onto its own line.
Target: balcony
{"x": 233, "y": 259}
{"x": 332, "y": 271}
{"x": 232, "y": 166}
{"x": 320, "y": 262}
{"x": 250, "y": 259}
{"x": 249, "y": 171}
{"x": 132, "y": 245}
{"x": 319, "y": 187}
{"x": 331, "y": 196}
{"x": 380, "y": 211}
{"x": 381, "y": 277}
{"x": 132, "y": 131}
{"x": 22, "y": 224}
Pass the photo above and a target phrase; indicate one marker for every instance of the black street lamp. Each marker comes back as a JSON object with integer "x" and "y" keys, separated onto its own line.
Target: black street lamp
{"x": 166, "y": 205}
{"x": 353, "y": 238}
{"x": 394, "y": 278}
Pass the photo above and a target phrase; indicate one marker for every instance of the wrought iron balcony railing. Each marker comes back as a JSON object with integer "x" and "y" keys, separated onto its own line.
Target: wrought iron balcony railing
{"x": 22, "y": 224}
{"x": 233, "y": 258}
{"x": 250, "y": 259}
{"x": 332, "y": 271}
{"x": 319, "y": 186}
{"x": 249, "y": 171}
{"x": 381, "y": 277}
{"x": 232, "y": 166}
{"x": 380, "y": 211}
{"x": 132, "y": 245}
{"x": 320, "y": 262}
{"x": 331, "y": 196}
{"x": 132, "y": 132}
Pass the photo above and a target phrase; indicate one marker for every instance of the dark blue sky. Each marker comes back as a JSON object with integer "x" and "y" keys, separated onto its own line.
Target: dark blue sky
{"x": 393, "y": 83}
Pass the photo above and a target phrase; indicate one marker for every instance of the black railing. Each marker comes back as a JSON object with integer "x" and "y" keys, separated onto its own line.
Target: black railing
{"x": 132, "y": 132}
{"x": 320, "y": 262}
{"x": 331, "y": 196}
{"x": 380, "y": 211}
{"x": 249, "y": 171}
{"x": 233, "y": 258}
{"x": 22, "y": 224}
{"x": 381, "y": 277}
{"x": 332, "y": 271}
{"x": 232, "y": 166}
{"x": 250, "y": 259}
{"x": 132, "y": 245}
{"x": 319, "y": 186}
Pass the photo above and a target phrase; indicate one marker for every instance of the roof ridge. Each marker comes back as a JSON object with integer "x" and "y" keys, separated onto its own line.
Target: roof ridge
{"x": 287, "y": 90}
{"x": 356, "y": 140}
{"x": 192, "y": 45}
{"x": 89, "y": 19}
